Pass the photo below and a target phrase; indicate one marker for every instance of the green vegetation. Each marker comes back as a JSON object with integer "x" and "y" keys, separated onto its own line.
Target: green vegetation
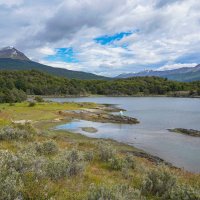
{"x": 38, "y": 162}
{"x": 15, "y": 85}
{"x": 54, "y": 169}
{"x": 39, "y": 99}
{"x": 15, "y": 64}
{"x": 185, "y": 77}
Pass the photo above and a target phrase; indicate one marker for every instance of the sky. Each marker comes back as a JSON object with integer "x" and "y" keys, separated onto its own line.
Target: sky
{"x": 106, "y": 37}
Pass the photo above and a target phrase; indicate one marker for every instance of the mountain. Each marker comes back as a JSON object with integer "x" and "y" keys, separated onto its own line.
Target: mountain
{"x": 185, "y": 74}
{"x": 11, "y": 52}
{"x": 12, "y": 59}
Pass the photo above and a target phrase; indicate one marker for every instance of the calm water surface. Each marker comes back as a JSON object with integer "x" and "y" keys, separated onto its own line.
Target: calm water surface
{"x": 156, "y": 115}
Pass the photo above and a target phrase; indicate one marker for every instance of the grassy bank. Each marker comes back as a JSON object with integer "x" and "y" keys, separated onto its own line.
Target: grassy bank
{"x": 39, "y": 162}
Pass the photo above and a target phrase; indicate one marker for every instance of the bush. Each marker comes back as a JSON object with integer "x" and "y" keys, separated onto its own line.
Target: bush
{"x": 113, "y": 193}
{"x": 56, "y": 168}
{"x": 116, "y": 163}
{"x": 28, "y": 161}
{"x": 47, "y": 148}
{"x": 17, "y": 132}
{"x": 126, "y": 173}
{"x": 159, "y": 182}
{"x": 9, "y": 177}
{"x": 12, "y": 96}
{"x": 32, "y": 104}
{"x": 75, "y": 166}
{"x": 89, "y": 156}
{"x": 39, "y": 99}
{"x": 130, "y": 161}
{"x": 184, "y": 192}
{"x": 106, "y": 151}
{"x": 9, "y": 184}
{"x": 65, "y": 164}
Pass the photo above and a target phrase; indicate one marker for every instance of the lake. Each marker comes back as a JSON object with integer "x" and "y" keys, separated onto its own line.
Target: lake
{"x": 156, "y": 115}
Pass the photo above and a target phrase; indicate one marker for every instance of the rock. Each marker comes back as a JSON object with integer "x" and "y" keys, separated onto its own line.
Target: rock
{"x": 22, "y": 122}
{"x": 89, "y": 129}
{"x": 190, "y": 132}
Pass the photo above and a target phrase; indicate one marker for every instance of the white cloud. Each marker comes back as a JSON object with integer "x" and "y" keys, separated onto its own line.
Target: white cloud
{"x": 47, "y": 51}
{"x": 10, "y": 3}
{"x": 169, "y": 32}
{"x": 60, "y": 64}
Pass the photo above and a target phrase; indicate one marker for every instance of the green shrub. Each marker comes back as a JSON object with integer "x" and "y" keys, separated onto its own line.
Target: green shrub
{"x": 106, "y": 151}
{"x": 75, "y": 160}
{"x": 65, "y": 164}
{"x": 47, "y": 148}
{"x": 17, "y": 132}
{"x": 29, "y": 161}
{"x": 75, "y": 168}
{"x": 9, "y": 184}
{"x": 12, "y": 96}
{"x": 159, "y": 182}
{"x": 122, "y": 192}
{"x": 184, "y": 192}
{"x": 39, "y": 99}
{"x": 116, "y": 163}
{"x": 89, "y": 156}
{"x": 56, "y": 168}
{"x": 32, "y": 104}
{"x": 74, "y": 156}
{"x": 9, "y": 177}
{"x": 130, "y": 161}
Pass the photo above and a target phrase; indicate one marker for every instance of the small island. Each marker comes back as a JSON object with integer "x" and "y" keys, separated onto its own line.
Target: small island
{"x": 190, "y": 132}
{"x": 89, "y": 129}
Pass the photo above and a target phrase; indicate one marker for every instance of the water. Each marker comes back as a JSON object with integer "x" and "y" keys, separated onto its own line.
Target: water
{"x": 156, "y": 115}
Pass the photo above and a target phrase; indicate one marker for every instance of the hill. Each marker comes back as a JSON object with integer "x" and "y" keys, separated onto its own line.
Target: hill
{"x": 13, "y": 64}
{"x": 185, "y": 74}
{"x": 12, "y": 59}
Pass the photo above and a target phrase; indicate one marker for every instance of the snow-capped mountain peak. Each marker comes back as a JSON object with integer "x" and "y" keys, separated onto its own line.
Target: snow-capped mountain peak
{"x": 13, "y": 53}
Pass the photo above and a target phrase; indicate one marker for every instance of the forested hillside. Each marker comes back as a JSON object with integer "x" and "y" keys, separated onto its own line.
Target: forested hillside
{"x": 15, "y": 85}
{"x": 16, "y": 64}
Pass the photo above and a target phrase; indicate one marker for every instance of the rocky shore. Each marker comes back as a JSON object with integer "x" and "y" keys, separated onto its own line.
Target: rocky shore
{"x": 100, "y": 114}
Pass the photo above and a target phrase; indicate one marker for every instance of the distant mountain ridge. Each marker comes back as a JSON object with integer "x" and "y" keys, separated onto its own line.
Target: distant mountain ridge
{"x": 186, "y": 74}
{"x": 13, "y": 59}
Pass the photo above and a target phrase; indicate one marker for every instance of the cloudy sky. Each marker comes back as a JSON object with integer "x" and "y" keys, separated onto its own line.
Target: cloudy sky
{"x": 106, "y": 37}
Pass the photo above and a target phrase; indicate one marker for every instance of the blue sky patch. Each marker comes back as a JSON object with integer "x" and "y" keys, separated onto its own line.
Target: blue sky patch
{"x": 109, "y": 39}
{"x": 64, "y": 55}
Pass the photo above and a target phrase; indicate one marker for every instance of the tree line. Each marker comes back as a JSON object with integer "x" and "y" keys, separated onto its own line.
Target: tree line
{"x": 16, "y": 85}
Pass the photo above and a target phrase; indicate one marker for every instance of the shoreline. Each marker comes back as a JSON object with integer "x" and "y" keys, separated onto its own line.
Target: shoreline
{"x": 51, "y": 118}
{"x": 137, "y": 152}
{"x": 85, "y": 96}
{"x": 126, "y": 165}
